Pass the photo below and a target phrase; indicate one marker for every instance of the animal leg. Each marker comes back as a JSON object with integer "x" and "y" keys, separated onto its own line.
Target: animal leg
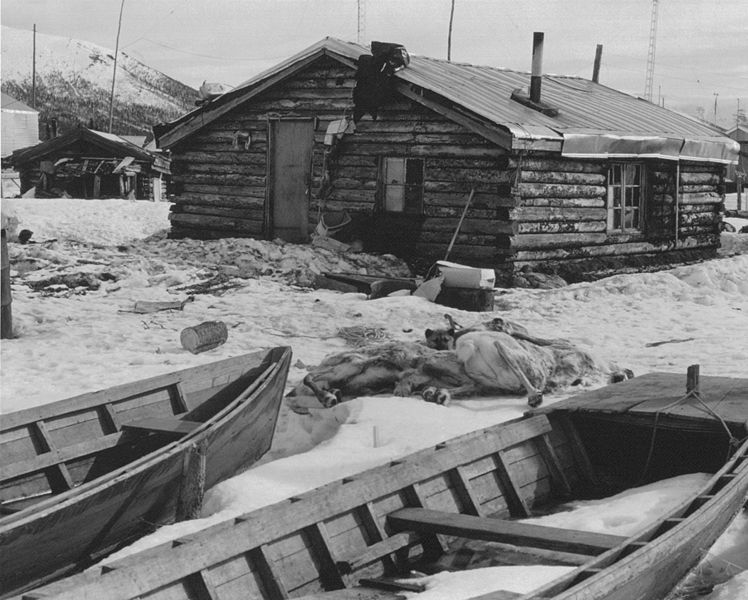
{"x": 534, "y": 395}
{"x": 328, "y": 398}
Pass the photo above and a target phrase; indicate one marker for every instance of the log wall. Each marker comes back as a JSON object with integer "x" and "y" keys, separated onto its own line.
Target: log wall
{"x": 561, "y": 217}
{"x": 220, "y": 190}
{"x": 542, "y": 211}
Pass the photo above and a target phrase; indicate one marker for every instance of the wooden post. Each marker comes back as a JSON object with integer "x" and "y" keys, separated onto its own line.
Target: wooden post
{"x": 596, "y": 68}
{"x": 692, "y": 379}
{"x": 6, "y": 320}
{"x": 192, "y": 489}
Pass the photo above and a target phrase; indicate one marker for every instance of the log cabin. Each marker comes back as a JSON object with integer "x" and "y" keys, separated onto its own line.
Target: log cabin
{"x": 569, "y": 177}
{"x": 86, "y": 163}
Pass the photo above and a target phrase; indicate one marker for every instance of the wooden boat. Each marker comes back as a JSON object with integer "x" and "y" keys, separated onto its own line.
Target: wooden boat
{"x": 460, "y": 504}
{"x": 81, "y": 476}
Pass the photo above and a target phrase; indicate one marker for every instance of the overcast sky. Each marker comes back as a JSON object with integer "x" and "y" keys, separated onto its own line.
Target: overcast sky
{"x": 702, "y": 45}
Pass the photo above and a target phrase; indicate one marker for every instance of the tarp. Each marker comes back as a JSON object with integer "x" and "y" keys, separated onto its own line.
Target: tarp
{"x": 613, "y": 145}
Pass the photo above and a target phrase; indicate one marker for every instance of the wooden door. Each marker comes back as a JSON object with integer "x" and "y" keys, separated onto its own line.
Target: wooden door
{"x": 290, "y": 161}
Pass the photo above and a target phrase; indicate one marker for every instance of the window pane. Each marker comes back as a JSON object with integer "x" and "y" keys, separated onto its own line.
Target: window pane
{"x": 414, "y": 171}
{"x": 631, "y": 175}
{"x": 615, "y": 174}
{"x": 616, "y": 219}
{"x": 394, "y": 198}
{"x": 616, "y": 196}
{"x": 394, "y": 170}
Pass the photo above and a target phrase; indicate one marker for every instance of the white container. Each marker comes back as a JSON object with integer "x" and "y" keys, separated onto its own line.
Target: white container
{"x": 462, "y": 276}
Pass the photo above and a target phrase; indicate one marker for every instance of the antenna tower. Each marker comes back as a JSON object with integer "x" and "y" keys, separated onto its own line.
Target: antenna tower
{"x": 361, "y": 30}
{"x": 651, "y": 53}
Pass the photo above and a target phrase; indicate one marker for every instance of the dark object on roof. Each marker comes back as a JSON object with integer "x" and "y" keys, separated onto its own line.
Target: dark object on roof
{"x": 374, "y": 77}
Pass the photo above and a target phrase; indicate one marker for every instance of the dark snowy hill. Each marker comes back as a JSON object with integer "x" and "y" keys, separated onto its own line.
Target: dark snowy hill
{"x": 74, "y": 79}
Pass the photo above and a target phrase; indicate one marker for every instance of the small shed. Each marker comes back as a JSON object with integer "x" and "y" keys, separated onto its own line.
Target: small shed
{"x": 567, "y": 175}
{"x": 86, "y": 163}
{"x": 20, "y": 125}
{"x": 739, "y": 133}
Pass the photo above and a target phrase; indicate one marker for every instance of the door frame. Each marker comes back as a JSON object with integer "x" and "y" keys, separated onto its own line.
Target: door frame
{"x": 268, "y": 224}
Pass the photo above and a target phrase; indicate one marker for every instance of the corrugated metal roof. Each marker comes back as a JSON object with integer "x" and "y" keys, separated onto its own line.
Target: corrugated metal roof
{"x": 584, "y": 107}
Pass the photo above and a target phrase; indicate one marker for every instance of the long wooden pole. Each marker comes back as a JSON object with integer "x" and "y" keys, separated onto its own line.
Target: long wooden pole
{"x": 596, "y": 67}
{"x": 33, "y": 71}
{"x": 114, "y": 73}
{"x": 449, "y": 37}
{"x": 459, "y": 225}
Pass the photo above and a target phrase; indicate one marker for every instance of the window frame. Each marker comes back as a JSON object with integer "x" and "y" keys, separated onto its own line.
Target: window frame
{"x": 411, "y": 193}
{"x": 626, "y": 210}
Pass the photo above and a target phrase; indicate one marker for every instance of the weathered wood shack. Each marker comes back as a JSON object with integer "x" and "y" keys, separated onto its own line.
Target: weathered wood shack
{"x": 575, "y": 178}
{"x": 86, "y": 163}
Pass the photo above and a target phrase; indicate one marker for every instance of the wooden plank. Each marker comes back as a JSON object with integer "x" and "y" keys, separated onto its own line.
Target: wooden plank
{"x": 432, "y": 545}
{"x": 391, "y": 583}
{"x": 330, "y": 575}
{"x": 59, "y": 471}
{"x": 265, "y": 559}
{"x": 517, "y": 505}
{"x": 110, "y": 414}
{"x": 49, "y": 459}
{"x": 498, "y": 530}
{"x": 177, "y": 427}
{"x": 548, "y": 452}
{"x": 470, "y": 503}
{"x": 383, "y": 549}
{"x": 376, "y": 532}
{"x": 354, "y": 594}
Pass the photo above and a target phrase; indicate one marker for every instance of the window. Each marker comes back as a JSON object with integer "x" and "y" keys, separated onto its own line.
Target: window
{"x": 403, "y": 185}
{"x": 625, "y": 197}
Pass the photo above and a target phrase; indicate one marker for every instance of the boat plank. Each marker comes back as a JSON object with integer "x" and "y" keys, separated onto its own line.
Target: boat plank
{"x": 178, "y": 427}
{"x": 354, "y": 594}
{"x": 49, "y": 459}
{"x": 499, "y": 530}
{"x": 91, "y": 400}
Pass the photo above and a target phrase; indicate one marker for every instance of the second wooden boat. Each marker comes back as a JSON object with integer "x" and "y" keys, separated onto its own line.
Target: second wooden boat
{"x": 82, "y": 476}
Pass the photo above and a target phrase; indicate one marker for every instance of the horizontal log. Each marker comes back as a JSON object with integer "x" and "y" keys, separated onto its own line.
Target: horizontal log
{"x": 564, "y": 202}
{"x": 710, "y": 179}
{"x": 697, "y": 208}
{"x": 218, "y": 180}
{"x": 699, "y": 198}
{"x": 563, "y": 177}
{"x": 426, "y": 151}
{"x": 347, "y": 183}
{"x": 333, "y": 204}
{"x": 558, "y": 190}
{"x": 476, "y": 213}
{"x": 303, "y": 94}
{"x": 485, "y": 200}
{"x": 342, "y": 195}
{"x": 255, "y": 213}
{"x": 219, "y": 200}
{"x": 213, "y": 222}
{"x": 224, "y": 190}
{"x": 560, "y": 240}
{"x": 327, "y": 81}
{"x": 473, "y": 255}
{"x": 552, "y": 213}
{"x": 221, "y": 145}
{"x": 200, "y": 168}
{"x": 697, "y": 189}
{"x": 229, "y": 156}
{"x": 557, "y": 164}
{"x": 381, "y": 125}
{"x": 469, "y": 175}
{"x": 562, "y": 227}
{"x": 404, "y": 139}
{"x": 609, "y": 249}
{"x": 469, "y": 225}
{"x": 464, "y": 187}
{"x": 495, "y": 164}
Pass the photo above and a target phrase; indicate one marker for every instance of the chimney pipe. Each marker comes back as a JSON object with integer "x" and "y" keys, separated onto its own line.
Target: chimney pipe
{"x": 537, "y": 65}
{"x": 596, "y": 68}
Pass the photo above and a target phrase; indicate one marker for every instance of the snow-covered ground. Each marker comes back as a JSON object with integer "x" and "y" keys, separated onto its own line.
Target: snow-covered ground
{"x": 73, "y": 301}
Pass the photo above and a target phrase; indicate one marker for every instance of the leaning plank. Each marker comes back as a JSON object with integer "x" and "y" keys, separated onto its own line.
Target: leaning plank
{"x": 354, "y": 594}
{"x": 498, "y": 530}
{"x": 163, "y": 425}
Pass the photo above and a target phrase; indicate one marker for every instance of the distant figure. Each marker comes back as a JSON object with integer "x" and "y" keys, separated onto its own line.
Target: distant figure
{"x": 24, "y": 236}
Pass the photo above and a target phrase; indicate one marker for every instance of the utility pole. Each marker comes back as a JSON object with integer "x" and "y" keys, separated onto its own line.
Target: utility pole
{"x": 716, "y": 95}
{"x": 114, "y": 72}
{"x": 651, "y": 53}
{"x": 33, "y": 71}
{"x": 738, "y": 173}
{"x": 361, "y": 23}
{"x": 449, "y": 36}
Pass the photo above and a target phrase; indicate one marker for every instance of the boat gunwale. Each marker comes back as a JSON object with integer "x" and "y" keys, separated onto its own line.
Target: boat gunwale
{"x": 79, "y": 493}
{"x": 650, "y": 529}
